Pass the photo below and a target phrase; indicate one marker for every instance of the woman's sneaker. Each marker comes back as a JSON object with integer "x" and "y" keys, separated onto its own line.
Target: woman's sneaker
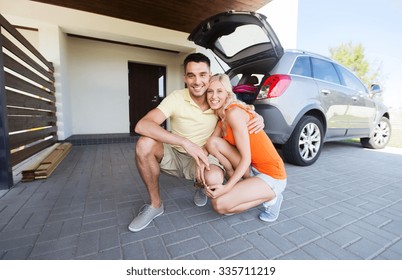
{"x": 145, "y": 216}
{"x": 271, "y": 212}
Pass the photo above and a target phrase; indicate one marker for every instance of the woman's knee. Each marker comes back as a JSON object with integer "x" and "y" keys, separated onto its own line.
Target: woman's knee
{"x": 219, "y": 206}
{"x": 213, "y": 144}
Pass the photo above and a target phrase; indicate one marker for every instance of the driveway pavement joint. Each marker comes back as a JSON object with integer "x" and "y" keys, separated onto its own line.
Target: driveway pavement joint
{"x": 345, "y": 206}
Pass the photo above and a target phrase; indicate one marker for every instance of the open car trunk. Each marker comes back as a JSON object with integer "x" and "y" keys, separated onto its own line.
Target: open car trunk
{"x": 238, "y": 38}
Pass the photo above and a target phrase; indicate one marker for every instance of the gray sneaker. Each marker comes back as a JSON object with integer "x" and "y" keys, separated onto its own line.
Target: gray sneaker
{"x": 200, "y": 198}
{"x": 271, "y": 212}
{"x": 145, "y": 216}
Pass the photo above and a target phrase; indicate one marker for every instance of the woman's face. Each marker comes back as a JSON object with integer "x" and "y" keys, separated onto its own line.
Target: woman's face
{"x": 216, "y": 95}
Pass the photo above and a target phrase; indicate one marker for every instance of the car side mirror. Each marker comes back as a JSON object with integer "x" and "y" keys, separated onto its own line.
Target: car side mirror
{"x": 375, "y": 89}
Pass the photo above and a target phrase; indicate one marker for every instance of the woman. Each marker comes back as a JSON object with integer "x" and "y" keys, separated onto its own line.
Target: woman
{"x": 254, "y": 170}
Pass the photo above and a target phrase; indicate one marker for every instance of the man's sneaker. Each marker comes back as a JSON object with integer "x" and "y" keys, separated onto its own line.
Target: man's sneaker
{"x": 145, "y": 216}
{"x": 271, "y": 212}
{"x": 200, "y": 198}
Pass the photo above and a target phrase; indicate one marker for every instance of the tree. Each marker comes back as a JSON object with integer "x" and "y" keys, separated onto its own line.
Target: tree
{"x": 352, "y": 57}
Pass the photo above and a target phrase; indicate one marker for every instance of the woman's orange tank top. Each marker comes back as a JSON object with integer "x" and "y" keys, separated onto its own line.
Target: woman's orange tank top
{"x": 264, "y": 156}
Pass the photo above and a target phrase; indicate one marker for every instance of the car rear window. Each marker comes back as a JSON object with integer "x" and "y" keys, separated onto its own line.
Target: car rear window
{"x": 242, "y": 38}
{"x": 302, "y": 67}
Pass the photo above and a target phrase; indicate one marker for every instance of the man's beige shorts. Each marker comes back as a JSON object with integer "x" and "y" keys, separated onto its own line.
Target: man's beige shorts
{"x": 180, "y": 164}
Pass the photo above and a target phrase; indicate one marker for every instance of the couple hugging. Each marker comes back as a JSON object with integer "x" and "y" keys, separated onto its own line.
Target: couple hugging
{"x": 215, "y": 140}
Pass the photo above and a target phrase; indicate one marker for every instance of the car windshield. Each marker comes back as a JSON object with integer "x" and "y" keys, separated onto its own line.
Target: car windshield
{"x": 242, "y": 38}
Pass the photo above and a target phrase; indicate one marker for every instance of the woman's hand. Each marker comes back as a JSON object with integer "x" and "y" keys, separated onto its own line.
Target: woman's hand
{"x": 216, "y": 191}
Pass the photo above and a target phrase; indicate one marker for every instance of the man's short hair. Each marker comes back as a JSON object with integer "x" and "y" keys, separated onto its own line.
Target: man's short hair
{"x": 196, "y": 57}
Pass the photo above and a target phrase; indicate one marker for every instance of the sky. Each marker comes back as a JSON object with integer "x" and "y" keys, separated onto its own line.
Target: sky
{"x": 376, "y": 24}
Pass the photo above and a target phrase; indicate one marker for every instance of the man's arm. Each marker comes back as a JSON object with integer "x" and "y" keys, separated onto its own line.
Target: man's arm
{"x": 256, "y": 124}
{"x": 149, "y": 126}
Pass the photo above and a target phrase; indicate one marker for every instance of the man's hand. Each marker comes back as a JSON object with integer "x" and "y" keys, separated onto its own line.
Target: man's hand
{"x": 256, "y": 124}
{"x": 200, "y": 174}
{"x": 199, "y": 155}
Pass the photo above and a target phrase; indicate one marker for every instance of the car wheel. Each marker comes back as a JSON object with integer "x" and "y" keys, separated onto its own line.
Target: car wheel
{"x": 381, "y": 135}
{"x": 304, "y": 145}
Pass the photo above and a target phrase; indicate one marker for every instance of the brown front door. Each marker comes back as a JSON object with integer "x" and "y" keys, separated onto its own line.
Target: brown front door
{"x": 146, "y": 88}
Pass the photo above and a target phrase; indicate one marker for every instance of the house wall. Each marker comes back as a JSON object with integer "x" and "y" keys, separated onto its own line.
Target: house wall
{"x": 92, "y": 76}
{"x": 31, "y": 35}
{"x": 98, "y": 82}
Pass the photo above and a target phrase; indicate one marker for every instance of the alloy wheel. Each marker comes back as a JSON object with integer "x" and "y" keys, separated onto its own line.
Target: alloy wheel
{"x": 309, "y": 141}
{"x": 382, "y": 133}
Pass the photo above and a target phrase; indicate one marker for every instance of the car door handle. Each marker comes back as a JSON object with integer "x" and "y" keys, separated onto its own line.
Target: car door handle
{"x": 355, "y": 98}
{"x": 325, "y": 91}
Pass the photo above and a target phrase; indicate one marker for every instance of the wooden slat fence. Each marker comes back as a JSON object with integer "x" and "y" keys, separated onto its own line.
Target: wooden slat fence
{"x": 27, "y": 101}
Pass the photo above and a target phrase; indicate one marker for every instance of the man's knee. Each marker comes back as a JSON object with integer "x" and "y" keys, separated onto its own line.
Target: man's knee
{"x": 146, "y": 146}
{"x": 214, "y": 176}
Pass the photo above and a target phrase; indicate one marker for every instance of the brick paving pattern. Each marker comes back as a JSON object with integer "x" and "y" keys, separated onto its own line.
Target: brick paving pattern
{"x": 346, "y": 206}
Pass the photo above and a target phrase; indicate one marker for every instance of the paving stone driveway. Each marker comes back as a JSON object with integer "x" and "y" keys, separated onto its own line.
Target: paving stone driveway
{"x": 347, "y": 205}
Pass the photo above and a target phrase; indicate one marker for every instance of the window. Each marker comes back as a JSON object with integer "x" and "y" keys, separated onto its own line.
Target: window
{"x": 241, "y": 38}
{"x": 324, "y": 70}
{"x": 351, "y": 80}
{"x": 302, "y": 66}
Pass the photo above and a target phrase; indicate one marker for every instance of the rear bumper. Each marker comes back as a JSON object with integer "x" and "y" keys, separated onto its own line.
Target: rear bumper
{"x": 275, "y": 124}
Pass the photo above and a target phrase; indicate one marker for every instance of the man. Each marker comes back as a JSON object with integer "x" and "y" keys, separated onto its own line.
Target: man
{"x": 180, "y": 152}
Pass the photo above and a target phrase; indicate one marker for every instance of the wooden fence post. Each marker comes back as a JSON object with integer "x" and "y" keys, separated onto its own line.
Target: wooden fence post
{"x": 6, "y": 173}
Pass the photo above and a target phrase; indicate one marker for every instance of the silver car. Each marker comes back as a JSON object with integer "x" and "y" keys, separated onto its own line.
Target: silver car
{"x": 305, "y": 99}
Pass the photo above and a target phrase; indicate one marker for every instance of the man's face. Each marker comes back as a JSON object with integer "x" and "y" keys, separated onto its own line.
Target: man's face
{"x": 197, "y": 78}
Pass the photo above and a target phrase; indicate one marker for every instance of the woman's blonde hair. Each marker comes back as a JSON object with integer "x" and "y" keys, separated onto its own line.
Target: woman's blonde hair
{"x": 232, "y": 98}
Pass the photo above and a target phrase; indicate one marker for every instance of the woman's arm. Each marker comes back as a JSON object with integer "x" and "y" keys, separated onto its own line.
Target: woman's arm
{"x": 237, "y": 119}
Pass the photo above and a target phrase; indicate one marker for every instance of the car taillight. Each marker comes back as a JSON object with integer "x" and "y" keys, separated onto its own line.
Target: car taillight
{"x": 274, "y": 86}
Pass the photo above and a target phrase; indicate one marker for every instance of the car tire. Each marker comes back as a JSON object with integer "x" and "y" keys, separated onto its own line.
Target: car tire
{"x": 305, "y": 143}
{"x": 381, "y": 135}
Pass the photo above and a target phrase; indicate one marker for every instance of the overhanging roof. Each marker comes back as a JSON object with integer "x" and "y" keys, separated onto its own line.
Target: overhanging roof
{"x": 171, "y": 14}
